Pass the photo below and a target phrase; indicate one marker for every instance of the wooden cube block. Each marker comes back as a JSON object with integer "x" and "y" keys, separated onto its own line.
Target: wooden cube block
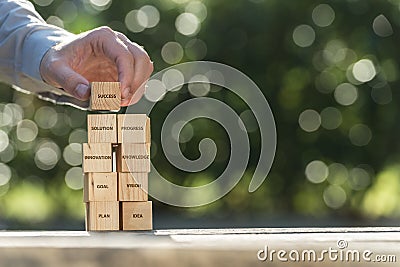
{"x": 133, "y": 128}
{"x": 102, "y": 128}
{"x": 133, "y": 158}
{"x": 97, "y": 157}
{"x": 136, "y": 215}
{"x": 133, "y": 186}
{"x": 105, "y": 96}
{"x": 102, "y": 216}
{"x": 100, "y": 186}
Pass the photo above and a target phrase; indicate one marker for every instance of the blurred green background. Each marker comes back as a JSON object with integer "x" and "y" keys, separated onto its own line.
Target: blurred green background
{"x": 328, "y": 69}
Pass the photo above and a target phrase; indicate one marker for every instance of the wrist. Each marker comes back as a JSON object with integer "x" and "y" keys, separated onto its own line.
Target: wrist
{"x": 47, "y": 64}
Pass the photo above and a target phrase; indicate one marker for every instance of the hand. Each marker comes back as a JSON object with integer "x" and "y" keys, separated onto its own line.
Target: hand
{"x": 98, "y": 55}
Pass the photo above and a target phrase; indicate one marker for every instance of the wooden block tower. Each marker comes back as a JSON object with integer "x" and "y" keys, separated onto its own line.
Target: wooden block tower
{"x": 116, "y": 163}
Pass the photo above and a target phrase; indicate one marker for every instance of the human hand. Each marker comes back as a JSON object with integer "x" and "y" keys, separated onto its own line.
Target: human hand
{"x": 100, "y": 55}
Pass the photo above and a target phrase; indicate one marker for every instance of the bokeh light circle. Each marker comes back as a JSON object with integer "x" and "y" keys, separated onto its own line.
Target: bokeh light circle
{"x": 172, "y": 52}
{"x": 323, "y": 15}
{"x": 187, "y": 24}
{"x": 173, "y": 79}
{"x": 148, "y": 16}
{"x": 27, "y": 130}
{"x": 74, "y": 178}
{"x": 47, "y": 155}
{"x": 5, "y": 174}
{"x": 199, "y": 85}
{"x": 331, "y": 118}
{"x": 304, "y": 35}
{"x": 309, "y": 120}
{"x": 360, "y": 135}
{"x": 382, "y": 26}
{"x": 72, "y": 154}
{"x": 334, "y": 196}
{"x": 4, "y": 140}
{"x": 346, "y": 94}
{"x": 46, "y": 117}
{"x": 316, "y": 171}
{"x": 364, "y": 70}
{"x": 198, "y": 9}
{"x": 132, "y": 21}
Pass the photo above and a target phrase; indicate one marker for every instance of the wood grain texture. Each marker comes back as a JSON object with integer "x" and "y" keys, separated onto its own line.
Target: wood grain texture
{"x": 193, "y": 247}
{"x": 133, "y": 157}
{"x": 100, "y": 187}
{"x": 97, "y": 157}
{"x": 105, "y": 96}
{"x": 133, "y": 186}
{"x": 102, "y": 128}
{"x": 136, "y": 215}
{"x": 133, "y": 128}
{"x": 102, "y": 216}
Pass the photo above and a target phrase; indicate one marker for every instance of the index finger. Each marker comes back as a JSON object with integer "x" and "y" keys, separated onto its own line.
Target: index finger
{"x": 112, "y": 47}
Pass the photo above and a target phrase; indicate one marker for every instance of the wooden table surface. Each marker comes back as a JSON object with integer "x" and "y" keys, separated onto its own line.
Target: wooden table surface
{"x": 201, "y": 247}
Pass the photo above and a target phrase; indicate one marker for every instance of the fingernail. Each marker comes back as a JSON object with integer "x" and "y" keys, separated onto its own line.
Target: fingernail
{"x": 126, "y": 92}
{"x": 81, "y": 90}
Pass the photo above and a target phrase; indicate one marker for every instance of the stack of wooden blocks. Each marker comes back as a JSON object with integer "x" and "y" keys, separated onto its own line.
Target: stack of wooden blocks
{"x": 116, "y": 163}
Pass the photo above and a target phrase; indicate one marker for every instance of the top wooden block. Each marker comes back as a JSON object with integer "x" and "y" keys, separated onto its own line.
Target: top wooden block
{"x": 133, "y": 128}
{"x": 105, "y": 96}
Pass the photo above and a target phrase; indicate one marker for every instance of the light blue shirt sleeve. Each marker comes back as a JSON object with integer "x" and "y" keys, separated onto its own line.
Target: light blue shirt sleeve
{"x": 24, "y": 39}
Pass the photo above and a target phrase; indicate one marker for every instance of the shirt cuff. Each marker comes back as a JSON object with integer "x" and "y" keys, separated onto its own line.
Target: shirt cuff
{"x": 36, "y": 44}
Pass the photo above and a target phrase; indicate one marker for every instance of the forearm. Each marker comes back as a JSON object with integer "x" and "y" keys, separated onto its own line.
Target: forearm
{"x": 24, "y": 38}
{"x": 27, "y": 50}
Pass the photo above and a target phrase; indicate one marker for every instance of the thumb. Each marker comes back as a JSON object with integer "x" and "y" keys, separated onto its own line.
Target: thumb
{"x": 71, "y": 81}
